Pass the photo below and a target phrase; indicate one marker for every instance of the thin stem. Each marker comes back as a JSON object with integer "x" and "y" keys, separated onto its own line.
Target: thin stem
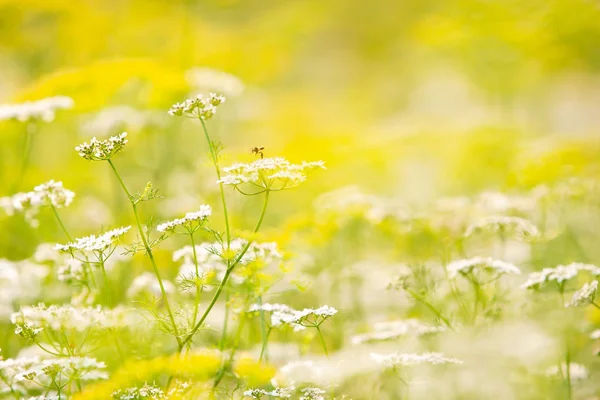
{"x": 196, "y": 280}
{"x": 595, "y": 305}
{"x": 263, "y": 334}
{"x": 221, "y": 188}
{"x": 224, "y": 333}
{"x": 150, "y": 255}
{"x": 60, "y": 222}
{"x": 106, "y": 283}
{"x": 431, "y": 307}
{"x": 228, "y": 273}
{"x": 322, "y": 341}
{"x": 568, "y": 372}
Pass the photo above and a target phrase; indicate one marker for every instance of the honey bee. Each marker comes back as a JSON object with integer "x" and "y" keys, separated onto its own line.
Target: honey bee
{"x": 258, "y": 150}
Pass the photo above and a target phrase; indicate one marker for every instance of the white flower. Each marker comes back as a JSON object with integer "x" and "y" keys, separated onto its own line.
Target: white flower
{"x": 584, "y": 296}
{"x": 577, "y": 372}
{"x": 468, "y": 266}
{"x": 97, "y": 150}
{"x": 149, "y": 392}
{"x": 200, "y": 107}
{"x": 274, "y": 173}
{"x": 282, "y": 315}
{"x": 218, "y": 81}
{"x": 518, "y": 228}
{"x": 282, "y": 393}
{"x": 394, "y": 329}
{"x": 559, "y": 274}
{"x": 44, "y": 109}
{"x": 406, "y": 359}
{"x": 93, "y": 243}
{"x": 189, "y": 222}
{"x": 595, "y": 334}
{"x": 69, "y": 317}
{"x": 312, "y": 393}
{"x": 50, "y": 193}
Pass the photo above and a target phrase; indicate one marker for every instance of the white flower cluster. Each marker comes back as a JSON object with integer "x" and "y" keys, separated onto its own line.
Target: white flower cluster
{"x": 510, "y": 227}
{"x": 190, "y": 222}
{"x": 577, "y": 372}
{"x": 21, "y": 372}
{"x": 312, "y": 393}
{"x": 584, "y": 296}
{"x": 394, "y": 329}
{"x": 405, "y": 359}
{"x": 94, "y": 244}
{"x": 282, "y": 393}
{"x": 469, "y": 266}
{"x": 44, "y": 109}
{"x": 68, "y": 317}
{"x": 51, "y": 193}
{"x": 149, "y": 392}
{"x": 283, "y": 315}
{"x": 275, "y": 173}
{"x": 558, "y": 274}
{"x": 20, "y": 282}
{"x": 147, "y": 283}
{"x": 218, "y": 81}
{"x": 199, "y": 106}
{"x": 98, "y": 150}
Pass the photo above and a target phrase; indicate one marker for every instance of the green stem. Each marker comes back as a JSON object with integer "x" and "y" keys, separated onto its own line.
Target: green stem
{"x": 106, "y": 283}
{"x": 228, "y": 273}
{"x": 263, "y": 334}
{"x": 431, "y": 307}
{"x": 60, "y": 222}
{"x": 221, "y": 188}
{"x": 150, "y": 255}
{"x": 322, "y": 341}
{"x": 196, "y": 280}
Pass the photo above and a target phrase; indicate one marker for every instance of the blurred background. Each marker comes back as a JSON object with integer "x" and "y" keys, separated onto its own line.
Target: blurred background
{"x": 406, "y": 100}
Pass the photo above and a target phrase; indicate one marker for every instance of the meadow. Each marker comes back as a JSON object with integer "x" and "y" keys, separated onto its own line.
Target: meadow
{"x": 300, "y": 200}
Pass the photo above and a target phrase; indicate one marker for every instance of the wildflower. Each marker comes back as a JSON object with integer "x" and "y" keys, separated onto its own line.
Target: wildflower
{"x": 98, "y": 150}
{"x": 95, "y": 244}
{"x": 584, "y": 296}
{"x": 394, "y": 329}
{"x": 559, "y": 274}
{"x": 51, "y": 193}
{"x": 271, "y": 174}
{"x": 68, "y": 317}
{"x": 150, "y": 392}
{"x": 219, "y": 81}
{"x": 282, "y": 393}
{"x": 519, "y": 228}
{"x": 191, "y": 221}
{"x": 312, "y": 393}
{"x": 282, "y": 315}
{"x": 44, "y": 109}
{"x": 406, "y": 359}
{"x": 595, "y": 334}
{"x": 72, "y": 271}
{"x": 199, "y": 107}
{"x": 577, "y": 372}
{"x": 469, "y": 266}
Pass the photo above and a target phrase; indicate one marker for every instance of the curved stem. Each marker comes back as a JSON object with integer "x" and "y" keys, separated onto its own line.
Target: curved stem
{"x": 60, "y": 222}
{"x": 228, "y": 273}
{"x": 322, "y": 341}
{"x": 150, "y": 255}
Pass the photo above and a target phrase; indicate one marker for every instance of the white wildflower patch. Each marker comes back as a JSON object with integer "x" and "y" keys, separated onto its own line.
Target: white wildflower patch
{"x": 584, "y": 296}
{"x": 390, "y": 330}
{"x": 201, "y": 106}
{"x": 99, "y": 245}
{"x": 42, "y": 110}
{"x": 190, "y": 222}
{"x": 149, "y": 392}
{"x": 283, "y": 315}
{"x": 20, "y": 282}
{"x": 272, "y": 174}
{"x": 312, "y": 393}
{"x": 392, "y": 360}
{"x": 559, "y": 274}
{"x": 281, "y": 393}
{"x": 98, "y": 150}
{"x": 51, "y": 193}
{"x": 507, "y": 227}
{"x": 476, "y": 264}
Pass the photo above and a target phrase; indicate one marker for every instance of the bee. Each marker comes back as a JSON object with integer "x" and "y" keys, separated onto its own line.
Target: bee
{"x": 258, "y": 150}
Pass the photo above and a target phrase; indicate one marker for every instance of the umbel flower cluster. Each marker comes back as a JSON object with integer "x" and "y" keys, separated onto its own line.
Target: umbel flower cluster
{"x": 406, "y": 359}
{"x": 394, "y": 329}
{"x": 190, "y": 222}
{"x": 199, "y": 107}
{"x": 267, "y": 174}
{"x": 94, "y": 243}
{"x": 559, "y": 274}
{"x": 472, "y": 265}
{"x": 283, "y": 315}
{"x": 507, "y": 227}
{"x": 44, "y": 109}
{"x": 98, "y": 150}
{"x": 51, "y": 193}
{"x": 584, "y": 296}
